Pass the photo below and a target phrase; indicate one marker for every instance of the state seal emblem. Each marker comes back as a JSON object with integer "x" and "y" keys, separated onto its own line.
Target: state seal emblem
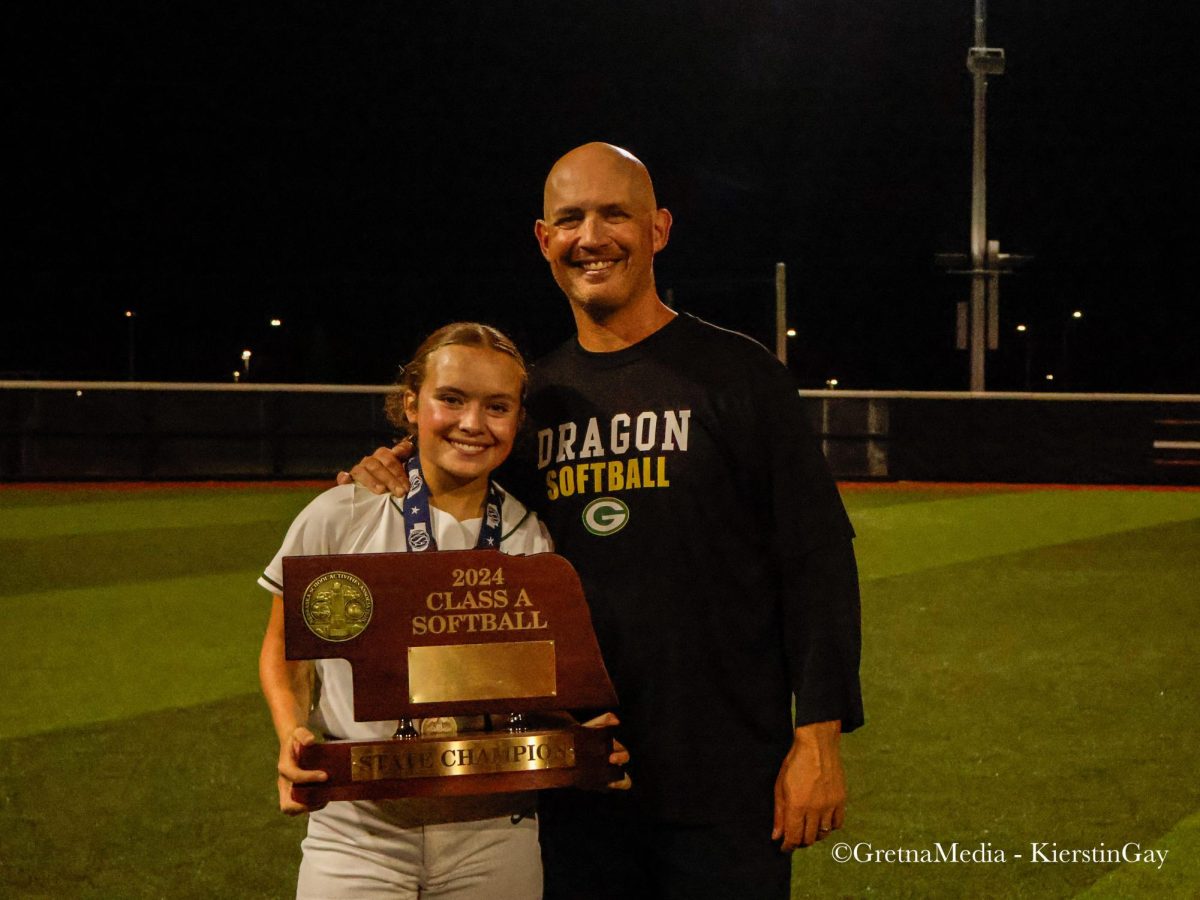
{"x": 337, "y": 606}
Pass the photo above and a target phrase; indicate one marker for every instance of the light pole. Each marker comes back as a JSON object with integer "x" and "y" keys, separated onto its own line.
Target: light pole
{"x": 130, "y": 315}
{"x": 979, "y": 65}
{"x": 979, "y": 316}
{"x": 246, "y": 362}
{"x": 1068, "y": 370}
{"x": 782, "y": 332}
{"x": 1024, "y": 331}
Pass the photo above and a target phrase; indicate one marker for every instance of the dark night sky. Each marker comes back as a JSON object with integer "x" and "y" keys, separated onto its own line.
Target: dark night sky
{"x": 367, "y": 171}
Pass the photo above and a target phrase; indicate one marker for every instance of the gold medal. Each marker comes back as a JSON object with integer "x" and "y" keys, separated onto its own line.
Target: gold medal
{"x": 337, "y": 606}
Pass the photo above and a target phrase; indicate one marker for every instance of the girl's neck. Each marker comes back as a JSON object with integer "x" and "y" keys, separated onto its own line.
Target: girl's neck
{"x": 461, "y": 500}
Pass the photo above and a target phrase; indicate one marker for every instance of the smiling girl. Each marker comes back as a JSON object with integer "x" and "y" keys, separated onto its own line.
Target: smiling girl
{"x": 461, "y": 399}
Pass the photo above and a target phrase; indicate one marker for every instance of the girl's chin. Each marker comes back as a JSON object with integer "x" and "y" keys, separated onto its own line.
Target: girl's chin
{"x": 461, "y": 472}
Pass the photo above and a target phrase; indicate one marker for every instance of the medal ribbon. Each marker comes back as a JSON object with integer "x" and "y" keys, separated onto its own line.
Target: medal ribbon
{"x": 418, "y": 526}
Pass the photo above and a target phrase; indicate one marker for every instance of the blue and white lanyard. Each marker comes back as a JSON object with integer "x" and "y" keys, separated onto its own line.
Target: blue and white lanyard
{"x": 418, "y": 527}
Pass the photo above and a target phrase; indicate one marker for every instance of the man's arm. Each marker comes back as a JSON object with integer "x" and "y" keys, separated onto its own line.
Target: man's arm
{"x": 810, "y": 791}
{"x": 813, "y": 545}
{"x": 383, "y": 471}
{"x": 822, "y": 637}
{"x": 287, "y": 686}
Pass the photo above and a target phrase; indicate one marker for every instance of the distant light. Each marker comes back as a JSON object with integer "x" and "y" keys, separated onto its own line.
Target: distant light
{"x": 129, "y": 313}
{"x": 1049, "y": 376}
{"x": 831, "y": 383}
{"x": 236, "y": 374}
{"x": 245, "y": 356}
{"x": 1022, "y": 328}
{"x": 1078, "y": 314}
{"x": 791, "y": 332}
{"x": 275, "y": 323}
{"x": 79, "y": 393}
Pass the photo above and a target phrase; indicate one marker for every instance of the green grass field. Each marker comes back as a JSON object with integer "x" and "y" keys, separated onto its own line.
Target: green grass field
{"x": 1031, "y": 672}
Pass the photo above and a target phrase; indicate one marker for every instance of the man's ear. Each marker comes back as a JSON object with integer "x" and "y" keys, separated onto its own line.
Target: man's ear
{"x": 542, "y": 232}
{"x": 662, "y": 228}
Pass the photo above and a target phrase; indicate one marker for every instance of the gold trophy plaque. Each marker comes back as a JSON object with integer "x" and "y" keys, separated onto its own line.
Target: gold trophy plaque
{"x": 452, "y": 633}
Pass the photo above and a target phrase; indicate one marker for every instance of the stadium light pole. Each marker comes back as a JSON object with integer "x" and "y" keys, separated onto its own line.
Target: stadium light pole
{"x": 1024, "y": 331}
{"x": 782, "y": 332}
{"x": 981, "y": 61}
{"x": 1067, "y": 364}
{"x": 979, "y": 316}
{"x": 130, "y": 315}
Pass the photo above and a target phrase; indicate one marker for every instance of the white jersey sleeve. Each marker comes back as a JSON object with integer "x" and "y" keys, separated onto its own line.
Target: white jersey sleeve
{"x": 319, "y": 528}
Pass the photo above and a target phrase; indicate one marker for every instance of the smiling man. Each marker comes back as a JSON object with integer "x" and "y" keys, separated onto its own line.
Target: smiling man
{"x": 600, "y": 232}
{"x": 675, "y": 467}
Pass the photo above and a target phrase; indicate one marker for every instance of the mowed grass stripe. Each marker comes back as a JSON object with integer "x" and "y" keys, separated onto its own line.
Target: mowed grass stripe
{"x": 90, "y": 655}
{"x": 27, "y": 494}
{"x": 1048, "y": 695}
{"x": 869, "y": 495}
{"x": 897, "y": 540}
{"x": 136, "y": 555}
{"x": 176, "y": 803}
{"x": 1178, "y": 877}
{"x": 75, "y": 515}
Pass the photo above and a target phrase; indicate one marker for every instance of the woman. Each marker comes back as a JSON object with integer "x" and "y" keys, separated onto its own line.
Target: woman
{"x": 461, "y": 399}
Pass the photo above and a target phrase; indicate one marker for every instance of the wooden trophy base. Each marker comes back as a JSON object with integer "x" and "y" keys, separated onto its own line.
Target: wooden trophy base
{"x": 547, "y": 754}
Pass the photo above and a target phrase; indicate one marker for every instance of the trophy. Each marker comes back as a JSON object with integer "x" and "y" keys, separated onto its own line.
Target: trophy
{"x": 452, "y": 633}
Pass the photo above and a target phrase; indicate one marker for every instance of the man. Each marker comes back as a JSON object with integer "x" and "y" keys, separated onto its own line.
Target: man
{"x": 677, "y": 472}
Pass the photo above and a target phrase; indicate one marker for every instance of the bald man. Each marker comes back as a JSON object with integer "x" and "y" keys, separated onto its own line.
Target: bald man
{"x": 675, "y": 467}
{"x": 600, "y": 231}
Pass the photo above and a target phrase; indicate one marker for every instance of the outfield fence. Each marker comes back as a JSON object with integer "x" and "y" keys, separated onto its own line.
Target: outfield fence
{"x": 62, "y": 430}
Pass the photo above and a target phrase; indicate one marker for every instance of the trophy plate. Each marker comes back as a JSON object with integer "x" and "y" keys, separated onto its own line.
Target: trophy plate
{"x": 473, "y": 762}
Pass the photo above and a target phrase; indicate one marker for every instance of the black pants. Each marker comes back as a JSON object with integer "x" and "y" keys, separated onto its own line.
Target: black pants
{"x": 598, "y": 847}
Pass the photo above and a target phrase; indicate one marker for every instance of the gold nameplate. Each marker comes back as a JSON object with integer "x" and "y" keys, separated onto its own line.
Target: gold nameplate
{"x": 474, "y": 756}
{"x": 502, "y": 671}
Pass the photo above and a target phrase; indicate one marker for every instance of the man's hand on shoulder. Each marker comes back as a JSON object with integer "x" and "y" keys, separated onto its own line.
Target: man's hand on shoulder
{"x": 383, "y": 471}
{"x": 810, "y": 791}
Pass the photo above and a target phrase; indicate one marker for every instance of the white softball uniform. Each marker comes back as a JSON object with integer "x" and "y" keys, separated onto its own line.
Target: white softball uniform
{"x": 456, "y": 847}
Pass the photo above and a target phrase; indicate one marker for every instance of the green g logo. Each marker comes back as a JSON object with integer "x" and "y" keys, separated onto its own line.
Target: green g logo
{"x": 605, "y": 516}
